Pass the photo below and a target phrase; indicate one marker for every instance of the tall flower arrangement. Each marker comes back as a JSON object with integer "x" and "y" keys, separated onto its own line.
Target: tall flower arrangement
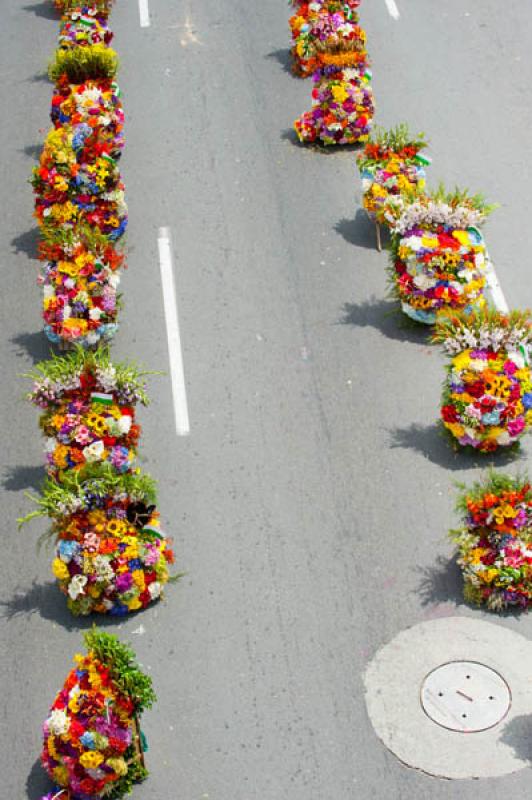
{"x": 307, "y": 27}
{"x": 391, "y": 164}
{"x": 487, "y": 395}
{"x": 342, "y": 99}
{"x": 438, "y": 254}
{"x": 93, "y": 745}
{"x": 494, "y": 542}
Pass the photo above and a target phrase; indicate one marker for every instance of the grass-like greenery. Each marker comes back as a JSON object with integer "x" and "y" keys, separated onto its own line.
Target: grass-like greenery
{"x": 119, "y": 659}
{"x": 84, "y": 63}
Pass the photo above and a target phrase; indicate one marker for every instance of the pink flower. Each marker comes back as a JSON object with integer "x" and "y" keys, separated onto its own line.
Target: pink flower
{"x": 516, "y": 426}
{"x": 82, "y": 435}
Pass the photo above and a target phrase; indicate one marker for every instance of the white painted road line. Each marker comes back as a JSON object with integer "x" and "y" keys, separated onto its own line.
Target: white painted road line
{"x": 391, "y": 5}
{"x": 497, "y": 294}
{"x": 175, "y": 352}
{"x": 144, "y": 13}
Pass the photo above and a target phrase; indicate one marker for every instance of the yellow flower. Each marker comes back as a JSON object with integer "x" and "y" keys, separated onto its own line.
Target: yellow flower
{"x": 91, "y": 759}
{"x": 339, "y": 93}
{"x": 68, "y": 268}
{"x": 60, "y": 775}
{"x": 60, "y": 456}
{"x": 138, "y": 578}
{"x": 97, "y": 518}
{"x": 461, "y": 361}
{"x": 118, "y": 765}
{"x": 116, "y": 527}
{"x": 456, "y": 429}
{"x": 134, "y": 604}
{"x": 60, "y": 569}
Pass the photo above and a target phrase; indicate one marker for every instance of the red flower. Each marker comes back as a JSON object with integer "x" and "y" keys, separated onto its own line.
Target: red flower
{"x": 449, "y": 414}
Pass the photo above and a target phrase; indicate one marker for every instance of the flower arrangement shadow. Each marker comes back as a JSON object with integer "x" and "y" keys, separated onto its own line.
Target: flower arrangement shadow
{"x": 359, "y": 231}
{"x": 43, "y": 9}
{"x": 16, "y": 479}
{"x": 42, "y": 598}
{"x": 37, "y": 782}
{"x": 26, "y": 243}
{"x": 384, "y": 316}
{"x": 440, "y": 583}
{"x": 283, "y": 57}
{"x": 33, "y": 345}
{"x": 432, "y": 443}
{"x": 517, "y": 734}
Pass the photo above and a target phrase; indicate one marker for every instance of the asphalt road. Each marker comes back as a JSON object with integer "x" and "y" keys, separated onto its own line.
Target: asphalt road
{"x": 310, "y": 504}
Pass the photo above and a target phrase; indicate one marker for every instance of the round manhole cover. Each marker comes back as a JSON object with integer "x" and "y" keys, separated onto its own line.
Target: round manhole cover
{"x": 465, "y": 696}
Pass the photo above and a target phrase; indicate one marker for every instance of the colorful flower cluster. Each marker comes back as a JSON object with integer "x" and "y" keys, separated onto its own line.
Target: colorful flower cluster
{"x": 84, "y": 26}
{"x": 487, "y": 398}
{"x": 111, "y": 556}
{"x": 342, "y": 100}
{"x": 438, "y": 255}
{"x": 495, "y": 542}
{"x": 93, "y": 745}
{"x": 310, "y": 24}
{"x": 88, "y": 406}
{"x": 391, "y": 164}
{"x": 80, "y": 204}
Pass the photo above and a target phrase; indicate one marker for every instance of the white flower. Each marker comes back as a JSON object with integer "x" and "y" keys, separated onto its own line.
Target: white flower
{"x": 76, "y": 586}
{"x": 95, "y": 313}
{"x": 94, "y": 452}
{"x": 155, "y": 589}
{"x": 504, "y": 438}
{"x": 424, "y": 282}
{"x": 50, "y": 444}
{"x": 124, "y": 424}
{"x": 58, "y": 722}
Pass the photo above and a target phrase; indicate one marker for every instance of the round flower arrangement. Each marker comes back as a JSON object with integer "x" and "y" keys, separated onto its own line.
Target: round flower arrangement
{"x": 83, "y": 26}
{"x": 88, "y": 406}
{"x": 99, "y": 7}
{"x": 80, "y": 277}
{"x": 487, "y": 396}
{"x": 93, "y": 746}
{"x": 93, "y": 103}
{"x": 310, "y": 23}
{"x": 438, "y": 255}
{"x": 391, "y": 164}
{"x": 111, "y": 556}
{"x": 79, "y": 181}
{"x": 494, "y": 542}
{"x": 343, "y": 104}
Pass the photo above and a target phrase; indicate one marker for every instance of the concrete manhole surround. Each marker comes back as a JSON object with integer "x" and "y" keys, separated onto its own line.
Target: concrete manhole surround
{"x": 403, "y": 685}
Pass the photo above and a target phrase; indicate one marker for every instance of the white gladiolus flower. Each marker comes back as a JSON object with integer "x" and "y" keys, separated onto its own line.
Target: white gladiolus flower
{"x": 58, "y": 722}
{"x": 76, "y": 586}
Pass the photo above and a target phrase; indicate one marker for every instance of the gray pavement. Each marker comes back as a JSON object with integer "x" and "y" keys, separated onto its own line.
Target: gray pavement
{"x": 311, "y": 502}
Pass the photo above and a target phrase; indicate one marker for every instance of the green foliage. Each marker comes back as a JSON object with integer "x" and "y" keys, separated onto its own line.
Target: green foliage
{"x": 84, "y": 63}
{"x": 485, "y": 320}
{"x": 82, "y": 233}
{"x": 395, "y": 140}
{"x": 461, "y": 197}
{"x": 119, "y": 659}
{"x": 97, "y": 478}
{"x": 63, "y": 368}
{"x": 491, "y": 483}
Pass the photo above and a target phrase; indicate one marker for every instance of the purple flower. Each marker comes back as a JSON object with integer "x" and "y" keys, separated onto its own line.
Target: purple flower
{"x": 124, "y": 582}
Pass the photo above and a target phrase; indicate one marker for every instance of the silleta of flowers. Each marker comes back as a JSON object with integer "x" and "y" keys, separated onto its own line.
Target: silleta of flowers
{"x": 93, "y": 745}
{"x": 342, "y": 99}
{"x": 83, "y": 26}
{"x": 392, "y": 163}
{"x": 306, "y": 28}
{"x": 111, "y": 555}
{"x": 487, "y": 396}
{"x": 438, "y": 254}
{"x": 80, "y": 278}
{"x": 494, "y": 542}
{"x": 88, "y": 406}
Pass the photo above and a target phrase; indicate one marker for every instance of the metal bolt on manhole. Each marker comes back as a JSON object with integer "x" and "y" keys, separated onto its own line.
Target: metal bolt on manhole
{"x": 465, "y": 696}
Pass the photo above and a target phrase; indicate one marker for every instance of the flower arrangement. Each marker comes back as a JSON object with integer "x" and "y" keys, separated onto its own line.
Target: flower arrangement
{"x": 438, "y": 255}
{"x": 84, "y": 26}
{"x": 80, "y": 277}
{"x": 101, "y": 7}
{"x": 88, "y": 406}
{"x": 343, "y": 106}
{"x": 494, "y": 542}
{"x": 94, "y": 103}
{"x": 487, "y": 396}
{"x": 79, "y": 64}
{"x": 391, "y": 164}
{"x": 111, "y": 556}
{"x": 311, "y": 22}
{"x": 93, "y": 746}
